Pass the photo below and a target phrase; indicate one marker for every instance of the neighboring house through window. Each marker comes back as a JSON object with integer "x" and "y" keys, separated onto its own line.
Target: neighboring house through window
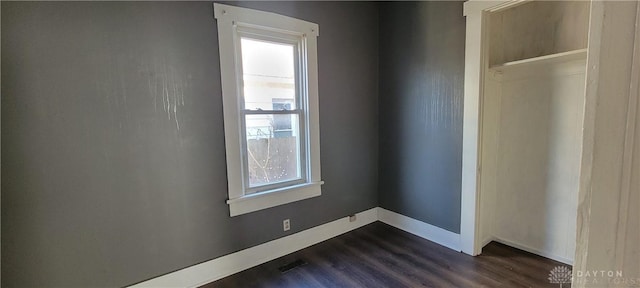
{"x": 270, "y": 96}
{"x": 282, "y": 124}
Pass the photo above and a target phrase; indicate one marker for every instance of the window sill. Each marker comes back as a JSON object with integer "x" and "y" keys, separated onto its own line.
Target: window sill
{"x": 272, "y": 198}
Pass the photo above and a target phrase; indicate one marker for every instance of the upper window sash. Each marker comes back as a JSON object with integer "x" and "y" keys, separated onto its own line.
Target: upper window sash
{"x": 300, "y": 68}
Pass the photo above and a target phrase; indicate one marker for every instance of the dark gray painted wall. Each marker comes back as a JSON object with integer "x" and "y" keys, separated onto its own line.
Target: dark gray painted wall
{"x": 100, "y": 187}
{"x": 421, "y": 92}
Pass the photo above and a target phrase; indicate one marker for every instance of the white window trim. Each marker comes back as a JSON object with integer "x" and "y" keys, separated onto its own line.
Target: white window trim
{"x": 229, "y": 18}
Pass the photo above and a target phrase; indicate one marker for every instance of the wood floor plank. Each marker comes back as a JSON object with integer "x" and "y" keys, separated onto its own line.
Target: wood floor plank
{"x": 424, "y": 261}
{"x": 378, "y": 255}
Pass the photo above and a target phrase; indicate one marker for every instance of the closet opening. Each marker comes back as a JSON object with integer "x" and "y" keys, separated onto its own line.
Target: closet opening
{"x": 530, "y": 138}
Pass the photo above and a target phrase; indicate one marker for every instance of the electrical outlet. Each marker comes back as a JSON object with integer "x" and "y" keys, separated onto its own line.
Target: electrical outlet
{"x": 286, "y": 225}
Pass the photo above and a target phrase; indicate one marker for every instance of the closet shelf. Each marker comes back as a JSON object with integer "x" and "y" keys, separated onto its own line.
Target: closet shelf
{"x": 546, "y": 59}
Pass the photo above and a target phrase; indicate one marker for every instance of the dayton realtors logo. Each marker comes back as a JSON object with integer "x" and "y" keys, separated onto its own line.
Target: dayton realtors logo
{"x": 608, "y": 278}
{"x": 560, "y": 275}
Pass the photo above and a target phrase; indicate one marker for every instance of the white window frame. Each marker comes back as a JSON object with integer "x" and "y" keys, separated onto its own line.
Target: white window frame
{"x": 232, "y": 23}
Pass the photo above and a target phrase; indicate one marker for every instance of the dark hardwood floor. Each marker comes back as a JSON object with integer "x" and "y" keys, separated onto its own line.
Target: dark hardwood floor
{"x": 379, "y": 255}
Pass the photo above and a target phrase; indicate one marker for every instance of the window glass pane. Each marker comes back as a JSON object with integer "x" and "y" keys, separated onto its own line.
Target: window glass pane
{"x": 273, "y": 153}
{"x": 268, "y": 73}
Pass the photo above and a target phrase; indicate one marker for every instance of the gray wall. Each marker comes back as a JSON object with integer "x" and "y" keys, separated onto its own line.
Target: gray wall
{"x": 421, "y": 94}
{"x": 104, "y": 186}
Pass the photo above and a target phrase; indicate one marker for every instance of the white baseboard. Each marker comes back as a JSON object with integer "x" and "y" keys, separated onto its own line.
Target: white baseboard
{"x": 549, "y": 255}
{"x": 485, "y": 242}
{"x": 427, "y": 231}
{"x": 224, "y": 266}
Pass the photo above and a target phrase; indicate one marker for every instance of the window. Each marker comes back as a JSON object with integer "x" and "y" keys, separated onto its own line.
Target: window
{"x": 269, "y": 69}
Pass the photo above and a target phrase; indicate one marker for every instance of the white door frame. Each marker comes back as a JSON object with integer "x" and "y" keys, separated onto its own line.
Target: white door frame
{"x": 475, "y": 66}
